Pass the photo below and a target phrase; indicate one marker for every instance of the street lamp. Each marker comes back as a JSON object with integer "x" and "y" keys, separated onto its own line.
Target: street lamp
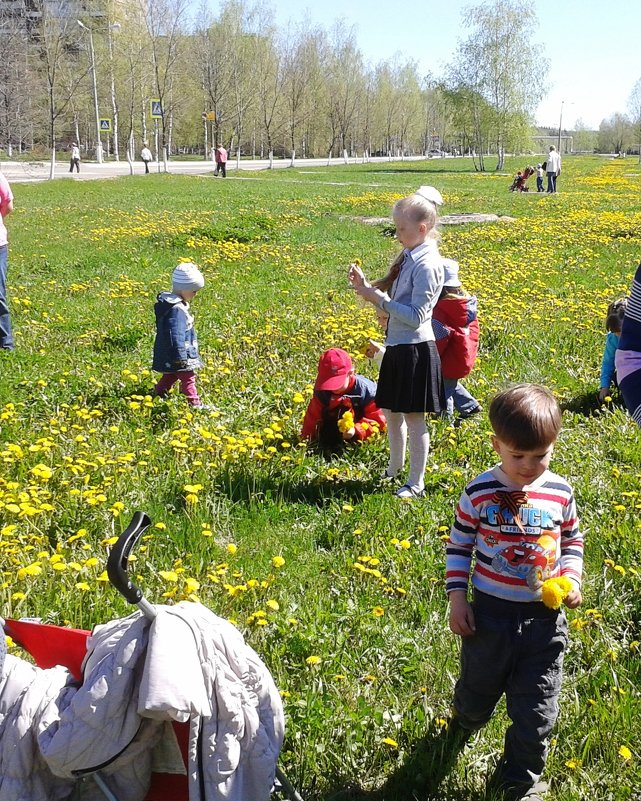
{"x": 114, "y": 26}
{"x": 570, "y": 103}
{"x": 95, "y": 90}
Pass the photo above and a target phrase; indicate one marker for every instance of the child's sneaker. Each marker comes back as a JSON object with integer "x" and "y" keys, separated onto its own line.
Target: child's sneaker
{"x": 408, "y": 492}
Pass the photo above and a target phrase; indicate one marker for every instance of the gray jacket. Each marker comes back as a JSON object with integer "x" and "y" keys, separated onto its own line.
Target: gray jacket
{"x": 413, "y": 296}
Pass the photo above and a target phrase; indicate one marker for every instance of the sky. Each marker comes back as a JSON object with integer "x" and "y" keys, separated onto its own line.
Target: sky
{"x": 592, "y": 46}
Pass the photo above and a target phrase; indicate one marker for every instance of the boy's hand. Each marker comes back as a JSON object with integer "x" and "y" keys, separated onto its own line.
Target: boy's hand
{"x": 573, "y": 599}
{"x": 603, "y": 394}
{"x": 461, "y": 614}
{"x": 349, "y": 434}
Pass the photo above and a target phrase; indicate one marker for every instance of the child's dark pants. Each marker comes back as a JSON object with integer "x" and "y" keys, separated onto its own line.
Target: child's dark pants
{"x": 517, "y": 650}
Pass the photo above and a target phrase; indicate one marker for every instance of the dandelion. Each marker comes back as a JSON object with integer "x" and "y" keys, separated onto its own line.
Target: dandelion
{"x": 554, "y": 591}
{"x": 389, "y": 741}
{"x": 277, "y": 561}
{"x": 625, "y": 753}
{"x": 313, "y": 660}
{"x": 231, "y": 548}
{"x": 346, "y": 422}
{"x": 378, "y": 611}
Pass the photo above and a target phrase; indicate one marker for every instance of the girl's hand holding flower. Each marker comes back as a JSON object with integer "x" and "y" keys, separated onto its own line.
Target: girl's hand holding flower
{"x": 361, "y": 285}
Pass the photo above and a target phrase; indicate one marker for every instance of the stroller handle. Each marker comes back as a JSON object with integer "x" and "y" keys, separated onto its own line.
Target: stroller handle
{"x": 118, "y": 560}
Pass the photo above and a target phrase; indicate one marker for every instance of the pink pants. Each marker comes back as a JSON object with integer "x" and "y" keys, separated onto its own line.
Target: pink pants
{"x": 187, "y": 380}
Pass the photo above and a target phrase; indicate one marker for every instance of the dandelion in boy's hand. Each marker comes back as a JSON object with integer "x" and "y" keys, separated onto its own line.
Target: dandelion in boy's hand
{"x": 554, "y": 591}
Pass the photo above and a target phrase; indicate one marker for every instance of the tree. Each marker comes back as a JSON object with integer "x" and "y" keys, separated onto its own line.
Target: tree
{"x": 501, "y": 65}
{"x": 634, "y": 106}
{"x": 615, "y": 134}
{"x": 584, "y": 139}
{"x": 164, "y": 19}
{"x": 58, "y": 47}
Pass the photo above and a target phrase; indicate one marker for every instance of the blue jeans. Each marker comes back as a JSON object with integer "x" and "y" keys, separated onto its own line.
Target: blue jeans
{"x": 551, "y": 182}
{"x": 457, "y": 397}
{"x": 6, "y": 335}
{"x": 517, "y": 650}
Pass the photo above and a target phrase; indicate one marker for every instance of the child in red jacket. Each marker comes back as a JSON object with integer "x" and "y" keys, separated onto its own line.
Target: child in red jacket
{"x": 338, "y": 393}
{"x": 456, "y": 329}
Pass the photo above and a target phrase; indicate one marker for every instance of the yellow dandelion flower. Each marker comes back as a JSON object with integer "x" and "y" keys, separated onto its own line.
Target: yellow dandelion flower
{"x": 554, "y": 591}
{"x": 625, "y": 752}
{"x": 277, "y": 561}
{"x": 313, "y": 660}
{"x": 378, "y": 611}
{"x": 389, "y": 741}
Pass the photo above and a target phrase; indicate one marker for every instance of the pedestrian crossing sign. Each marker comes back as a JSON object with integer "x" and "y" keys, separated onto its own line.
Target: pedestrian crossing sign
{"x": 105, "y": 125}
{"x": 156, "y": 109}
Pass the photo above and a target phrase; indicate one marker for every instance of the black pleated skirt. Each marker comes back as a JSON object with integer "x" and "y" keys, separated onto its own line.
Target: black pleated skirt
{"x": 410, "y": 379}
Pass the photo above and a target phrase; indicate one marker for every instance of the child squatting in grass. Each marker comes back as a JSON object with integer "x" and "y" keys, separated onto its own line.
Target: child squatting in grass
{"x": 410, "y": 381}
{"x": 176, "y": 345}
{"x": 518, "y": 522}
{"x": 339, "y": 392}
{"x": 628, "y": 355}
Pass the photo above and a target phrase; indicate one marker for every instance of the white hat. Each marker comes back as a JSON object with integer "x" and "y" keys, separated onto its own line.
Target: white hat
{"x": 187, "y": 277}
{"x": 450, "y": 268}
{"x": 430, "y": 193}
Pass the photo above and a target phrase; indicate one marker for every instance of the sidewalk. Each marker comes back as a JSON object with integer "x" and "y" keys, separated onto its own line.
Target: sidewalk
{"x": 27, "y": 171}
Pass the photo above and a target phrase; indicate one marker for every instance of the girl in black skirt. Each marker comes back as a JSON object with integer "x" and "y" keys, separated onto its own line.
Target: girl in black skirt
{"x": 410, "y": 382}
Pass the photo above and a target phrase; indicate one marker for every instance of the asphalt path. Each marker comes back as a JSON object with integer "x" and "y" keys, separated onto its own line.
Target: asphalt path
{"x": 25, "y": 171}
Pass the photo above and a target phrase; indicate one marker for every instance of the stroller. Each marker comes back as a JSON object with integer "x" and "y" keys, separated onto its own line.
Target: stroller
{"x": 519, "y": 184}
{"x": 171, "y": 777}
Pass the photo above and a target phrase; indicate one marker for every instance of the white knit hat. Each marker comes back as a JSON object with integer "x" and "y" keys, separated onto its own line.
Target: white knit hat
{"x": 450, "y": 268}
{"x": 430, "y": 193}
{"x": 187, "y": 277}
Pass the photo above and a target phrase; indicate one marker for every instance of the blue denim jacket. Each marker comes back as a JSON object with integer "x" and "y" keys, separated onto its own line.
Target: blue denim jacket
{"x": 176, "y": 344}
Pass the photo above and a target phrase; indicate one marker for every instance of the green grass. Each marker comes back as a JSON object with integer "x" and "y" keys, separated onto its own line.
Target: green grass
{"x": 86, "y": 261}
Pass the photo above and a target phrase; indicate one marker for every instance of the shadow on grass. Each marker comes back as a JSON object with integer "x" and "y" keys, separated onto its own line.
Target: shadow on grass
{"x": 588, "y": 404}
{"x": 420, "y": 777}
{"x": 245, "y": 486}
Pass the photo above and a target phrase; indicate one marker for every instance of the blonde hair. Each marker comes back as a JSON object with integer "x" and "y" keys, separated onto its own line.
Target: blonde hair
{"x": 420, "y": 210}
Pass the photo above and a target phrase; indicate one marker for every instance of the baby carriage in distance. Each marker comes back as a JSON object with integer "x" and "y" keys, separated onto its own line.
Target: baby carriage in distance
{"x": 118, "y": 714}
{"x": 519, "y": 184}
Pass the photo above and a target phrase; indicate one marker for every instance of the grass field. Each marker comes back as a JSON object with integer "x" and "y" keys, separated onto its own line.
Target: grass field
{"x": 337, "y": 584}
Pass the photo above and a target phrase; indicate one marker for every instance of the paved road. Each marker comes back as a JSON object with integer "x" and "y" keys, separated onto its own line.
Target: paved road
{"x": 17, "y": 171}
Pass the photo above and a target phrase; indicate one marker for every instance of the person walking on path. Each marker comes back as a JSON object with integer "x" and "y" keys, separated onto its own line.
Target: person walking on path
{"x": 553, "y": 169}
{"x": 6, "y": 207}
{"x": 75, "y": 157}
{"x": 220, "y": 156}
{"x": 145, "y": 155}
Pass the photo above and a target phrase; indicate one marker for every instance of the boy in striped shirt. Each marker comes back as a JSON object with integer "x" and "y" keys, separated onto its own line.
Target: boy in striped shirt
{"x": 514, "y": 527}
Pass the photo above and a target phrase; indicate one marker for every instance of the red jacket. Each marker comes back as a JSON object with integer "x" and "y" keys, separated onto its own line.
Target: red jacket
{"x": 327, "y": 408}
{"x": 456, "y": 329}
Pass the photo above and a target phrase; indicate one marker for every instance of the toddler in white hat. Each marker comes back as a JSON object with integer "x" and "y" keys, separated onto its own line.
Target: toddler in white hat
{"x": 176, "y": 353}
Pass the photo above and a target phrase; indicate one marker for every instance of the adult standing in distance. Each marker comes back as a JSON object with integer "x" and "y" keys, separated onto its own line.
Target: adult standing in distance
{"x": 6, "y": 207}
{"x": 553, "y": 169}
{"x": 221, "y": 161}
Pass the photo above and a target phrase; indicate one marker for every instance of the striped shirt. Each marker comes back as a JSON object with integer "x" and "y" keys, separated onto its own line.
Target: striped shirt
{"x": 516, "y": 536}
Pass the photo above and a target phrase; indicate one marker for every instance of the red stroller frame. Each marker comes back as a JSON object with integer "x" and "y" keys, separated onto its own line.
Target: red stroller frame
{"x": 51, "y": 645}
{"x": 519, "y": 184}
